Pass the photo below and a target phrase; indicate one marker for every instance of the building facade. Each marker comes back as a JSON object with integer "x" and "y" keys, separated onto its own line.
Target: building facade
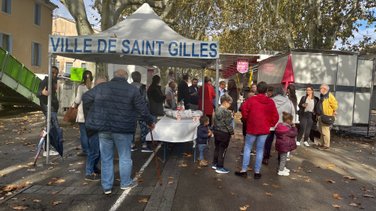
{"x": 24, "y": 29}
{"x": 65, "y": 27}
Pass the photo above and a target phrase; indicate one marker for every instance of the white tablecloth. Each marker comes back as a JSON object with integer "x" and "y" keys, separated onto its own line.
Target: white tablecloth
{"x": 174, "y": 131}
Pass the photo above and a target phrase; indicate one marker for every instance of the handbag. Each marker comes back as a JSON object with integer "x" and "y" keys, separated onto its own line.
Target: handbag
{"x": 71, "y": 115}
{"x": 329, "y": 120}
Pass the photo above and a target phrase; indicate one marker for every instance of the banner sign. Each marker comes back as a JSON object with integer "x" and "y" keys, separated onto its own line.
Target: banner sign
{"x": 156, "y": 48}
{"x": 242, "y": 65}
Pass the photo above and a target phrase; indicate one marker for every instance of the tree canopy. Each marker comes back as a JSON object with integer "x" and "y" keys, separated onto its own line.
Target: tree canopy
{"x": 245, "y": 26}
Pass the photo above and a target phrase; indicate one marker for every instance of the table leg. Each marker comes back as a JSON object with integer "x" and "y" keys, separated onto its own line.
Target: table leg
{"x": 164, "y": 152}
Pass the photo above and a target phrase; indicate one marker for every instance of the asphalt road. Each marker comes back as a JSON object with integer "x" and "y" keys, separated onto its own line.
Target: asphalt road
{"x": 342, "y": 178}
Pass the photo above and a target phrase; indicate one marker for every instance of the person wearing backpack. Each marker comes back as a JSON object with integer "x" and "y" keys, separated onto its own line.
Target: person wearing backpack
{"x": 136, "y": 77}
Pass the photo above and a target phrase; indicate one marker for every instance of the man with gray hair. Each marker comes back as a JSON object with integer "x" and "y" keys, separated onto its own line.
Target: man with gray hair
{"x": 114, "y": 108}
{"x": 326, "y": 111}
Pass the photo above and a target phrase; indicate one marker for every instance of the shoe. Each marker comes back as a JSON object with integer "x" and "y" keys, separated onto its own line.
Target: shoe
{"x": 146, "y": 149}
{"x": 92, "y": 177}
{"x": 134, "y": 148}
{"x": 283, "y": 173}
{"x": 253, "y": 153}
{"x": 222, "y": 171}
{"x": 298, "y": 143}
{"x": 286, "y": 170}
{"x": 97, "y": 170}
{"x": 306, "y": 143}
{"x": 241, "y": 174}
{"x": 107, "y": 192}
{"x": 265, "y": 162}
{"x": 128, "y": 187}
{"x": 52, "y": 153}
{"x": 257, "y": 176}
{"x": 214, "y": 166}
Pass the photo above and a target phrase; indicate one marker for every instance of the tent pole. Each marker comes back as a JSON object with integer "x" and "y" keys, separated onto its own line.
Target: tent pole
{"x": 49, "y": 106}
{"x": 203, "y": 90}
{"x": 371, "y": 99}
{"x": 216, "y": 82}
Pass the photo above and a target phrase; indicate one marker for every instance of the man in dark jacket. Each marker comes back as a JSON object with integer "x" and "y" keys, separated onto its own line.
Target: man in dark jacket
{"x": 114, "y": 108}
{"x": 43, "y": 92}
{"x": 183, "y": 91}
{"x": 193, "y": 95}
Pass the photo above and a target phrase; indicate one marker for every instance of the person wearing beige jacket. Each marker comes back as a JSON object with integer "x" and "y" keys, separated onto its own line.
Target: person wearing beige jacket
{"x": 85, "y": 85}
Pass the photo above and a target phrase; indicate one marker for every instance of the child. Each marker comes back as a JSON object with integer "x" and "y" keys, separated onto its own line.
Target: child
{"x": 286, "y": 133}
{"x": 222, "y": 133}
{"x": 203, "y": 134}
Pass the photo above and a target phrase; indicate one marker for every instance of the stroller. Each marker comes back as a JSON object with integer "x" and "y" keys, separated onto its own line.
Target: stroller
{"x": 55, "y": 140}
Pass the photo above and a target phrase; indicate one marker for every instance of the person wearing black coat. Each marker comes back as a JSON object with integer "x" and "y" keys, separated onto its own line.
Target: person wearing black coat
{"x": 307, "y": 106}
{"x": 156, "y": 97}
{"x": 183, "y": 91}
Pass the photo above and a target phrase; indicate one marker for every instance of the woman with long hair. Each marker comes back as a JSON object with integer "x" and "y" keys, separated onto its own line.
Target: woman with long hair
{"x": 86, "y": 84}
{"x": 307, "y": 105}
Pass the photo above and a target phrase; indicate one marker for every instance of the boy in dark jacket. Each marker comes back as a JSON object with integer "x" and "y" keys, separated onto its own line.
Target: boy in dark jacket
{"x": 203, "y": 134}
{"x": 286, "y": 133}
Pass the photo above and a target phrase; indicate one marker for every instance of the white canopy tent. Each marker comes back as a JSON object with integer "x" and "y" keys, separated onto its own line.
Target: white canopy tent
{"x": 143, "y": 38}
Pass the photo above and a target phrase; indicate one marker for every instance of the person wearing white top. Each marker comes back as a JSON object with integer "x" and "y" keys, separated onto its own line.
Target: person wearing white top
{"x": 85, "y": 85}
{"x": 307, "y": 106}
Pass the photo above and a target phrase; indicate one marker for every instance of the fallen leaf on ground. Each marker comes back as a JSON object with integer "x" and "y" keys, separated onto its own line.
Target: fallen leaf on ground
{"x": 183, "y": 165}
{"x": 337, "y": 196}
{"x": 336, "y": 206}
{"x": 143, "y": 200}
{"x": 265, "y": 184}
{"x": 187, "y": 155}
{"x": 275, "y": 186}
{"x": 56, "y": 203}
{"x": 268, "y": 194}
{"x": 36, "y": 200}
{"x": 56, "y": 181}
{"x": 140, "y": 180}
{"x": 368, "y": 196}
{"x": 353, "y": 204}
{"x": 349, "y": 177}
{"x": 330, "y": 166}
{"x": 331, "y": 181}
{"x": 244, "y": 208}
{"x": 170, "y": 180}
{"x": 219, "y": 179}
{"x": 19, "y": 207}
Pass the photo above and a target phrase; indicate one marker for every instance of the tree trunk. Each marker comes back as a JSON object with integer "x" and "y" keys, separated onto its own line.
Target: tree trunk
{"x": 78, "y": 11}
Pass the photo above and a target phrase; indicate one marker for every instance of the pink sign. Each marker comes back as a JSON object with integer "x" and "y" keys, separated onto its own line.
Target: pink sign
{"x": 242, "y": 66}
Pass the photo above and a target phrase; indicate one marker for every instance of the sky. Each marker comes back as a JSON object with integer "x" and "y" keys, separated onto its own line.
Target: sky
{"x": 94, "y": 19}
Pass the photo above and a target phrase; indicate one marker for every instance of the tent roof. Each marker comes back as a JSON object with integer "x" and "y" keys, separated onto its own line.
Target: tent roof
{"x": 143, "y": 25}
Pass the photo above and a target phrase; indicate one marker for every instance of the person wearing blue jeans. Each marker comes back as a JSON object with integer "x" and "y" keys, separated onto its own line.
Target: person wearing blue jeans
{"x": 93, "y": 157}
{"x": 203, "y": 134}
{"x": 249, "y": 141}
{"x": 107, "y": 143}
{"x": 260, "y": 114}
{"x": 113, "y": 110}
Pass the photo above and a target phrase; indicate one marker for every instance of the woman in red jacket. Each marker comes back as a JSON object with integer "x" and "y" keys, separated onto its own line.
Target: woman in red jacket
{"x": 209, "y": 96}
{"x": 260, "y": 113}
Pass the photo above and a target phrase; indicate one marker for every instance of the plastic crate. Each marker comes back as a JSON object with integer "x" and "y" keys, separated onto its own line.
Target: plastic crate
{"x": 28, "y": 79}
{"x": 12, "y": 67}
{"x": 3, "y": 55}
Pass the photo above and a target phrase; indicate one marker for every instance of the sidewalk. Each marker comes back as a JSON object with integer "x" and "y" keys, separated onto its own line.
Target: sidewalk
{"x": 342, "y": 177}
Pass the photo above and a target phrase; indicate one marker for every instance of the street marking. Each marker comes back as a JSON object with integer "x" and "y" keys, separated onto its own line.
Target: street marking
{"x": 138, "y": 175}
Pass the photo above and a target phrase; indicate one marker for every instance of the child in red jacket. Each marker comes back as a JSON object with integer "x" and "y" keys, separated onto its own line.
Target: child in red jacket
{"x": 286, "y": 133}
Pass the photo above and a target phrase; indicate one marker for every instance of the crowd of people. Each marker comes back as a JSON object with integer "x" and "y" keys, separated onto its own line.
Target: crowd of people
{"x": 109, "y": 112}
